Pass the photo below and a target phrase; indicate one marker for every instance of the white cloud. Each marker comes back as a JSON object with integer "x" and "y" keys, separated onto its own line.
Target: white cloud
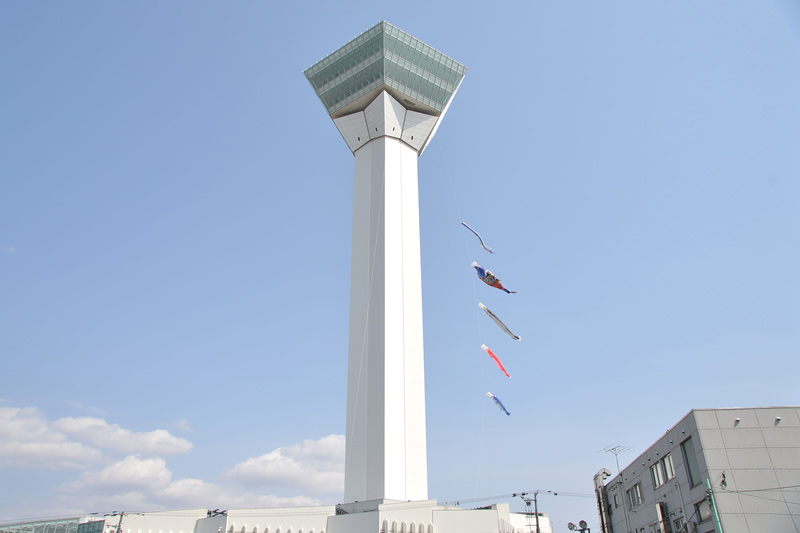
{"x": 142, "y": 483}
{"x": 186, "y": 492}
{"x": 142, "y": 480}
{"x": 131, "y": 473}
{"x": 314, "y": 466}
{"x": 100, "y": 433}
{"x": 183, "y": 425}
{"x": 28, "y": 440}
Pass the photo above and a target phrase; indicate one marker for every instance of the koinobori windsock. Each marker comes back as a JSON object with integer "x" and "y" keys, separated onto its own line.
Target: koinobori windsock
{"x": 496, "y": 359}
{"x": 489, "y": 278}
{"x": 478, "y": 235}
{"x": 499, "y": 322}
{"x": 498, "y": 403}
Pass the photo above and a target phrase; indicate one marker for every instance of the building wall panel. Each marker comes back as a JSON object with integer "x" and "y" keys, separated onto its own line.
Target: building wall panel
{"x": 758, "y": 523}
{"x": 788, "y": 417}
{"x": 747, "y": 458}
{"x": 780, "y": 458}
{"x": 782, "y": 437}
{"x": 711, "y": 438}
{"x": 706, "y": 420}
{"x": 742, "y": 437}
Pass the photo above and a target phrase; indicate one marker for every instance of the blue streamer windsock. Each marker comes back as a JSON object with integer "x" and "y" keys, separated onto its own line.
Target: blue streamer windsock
{"x": 478, "y": 235}
{"x": 498, "y": 402}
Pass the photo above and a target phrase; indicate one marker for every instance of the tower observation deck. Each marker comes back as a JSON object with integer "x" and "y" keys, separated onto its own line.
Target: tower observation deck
{"x": 387, "y": 92}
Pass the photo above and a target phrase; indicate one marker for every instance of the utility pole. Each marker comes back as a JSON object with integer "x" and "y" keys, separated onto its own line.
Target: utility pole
{"x": 119, "y": 523}
{"x": 528, "y": 507}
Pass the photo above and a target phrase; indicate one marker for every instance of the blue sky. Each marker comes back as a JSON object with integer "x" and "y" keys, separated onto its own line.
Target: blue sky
{"x": 175, "y": 244}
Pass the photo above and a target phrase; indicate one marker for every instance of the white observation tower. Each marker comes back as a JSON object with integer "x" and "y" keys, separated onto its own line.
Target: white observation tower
{"x": 387, "y": 93}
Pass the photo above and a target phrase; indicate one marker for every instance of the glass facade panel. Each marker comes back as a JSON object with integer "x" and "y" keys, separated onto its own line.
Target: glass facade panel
{"x": 95, "y": 526}
{"x": 418, "y": 70}
{"x": 60, "y": 525}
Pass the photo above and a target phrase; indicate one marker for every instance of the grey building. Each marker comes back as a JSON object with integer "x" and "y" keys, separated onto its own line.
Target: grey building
{"x": 717, "y": 470}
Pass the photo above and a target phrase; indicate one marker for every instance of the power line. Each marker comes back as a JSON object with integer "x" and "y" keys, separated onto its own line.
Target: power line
{"x": 515, "y": 494}
{"x": 762, "y": 490}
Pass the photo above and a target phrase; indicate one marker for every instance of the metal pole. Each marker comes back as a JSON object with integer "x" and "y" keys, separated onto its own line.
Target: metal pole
{"x": 536, "y": 509}
{"x": 713, "y": 504}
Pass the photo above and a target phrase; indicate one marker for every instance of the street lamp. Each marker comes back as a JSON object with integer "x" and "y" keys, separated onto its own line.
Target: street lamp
{"x": 581, "y": 527}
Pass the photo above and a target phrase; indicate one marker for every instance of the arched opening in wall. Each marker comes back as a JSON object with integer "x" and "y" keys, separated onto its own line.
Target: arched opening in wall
{"x": 411, "y": 528}
{"x": 230, "y": 529}
{"x": 403, "y": 526}
{"x": 394, "y": 526}
{"x": 255, "y": 528}
{"x": 385, "y": 526}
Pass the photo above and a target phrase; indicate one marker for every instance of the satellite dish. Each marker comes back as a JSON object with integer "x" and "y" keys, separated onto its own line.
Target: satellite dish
{"x": 583, "y": 524}
{"x": 571, "y": 526}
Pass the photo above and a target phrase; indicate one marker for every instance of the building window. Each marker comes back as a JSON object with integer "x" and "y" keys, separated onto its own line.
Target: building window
{"x": 669, "y": 468}
{"x": 616, "y": 501}
{"x": 678, "y": 524}
{"x": 703, "y": 510}
{"x": 635, "y": 495}
{"x": 662, "y": 471}
{"x": 657, "y": 471}
{"x": 690, "y": 459}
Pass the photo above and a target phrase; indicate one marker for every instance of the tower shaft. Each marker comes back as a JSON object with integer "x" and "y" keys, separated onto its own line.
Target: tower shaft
{"x": 386, "y": 438}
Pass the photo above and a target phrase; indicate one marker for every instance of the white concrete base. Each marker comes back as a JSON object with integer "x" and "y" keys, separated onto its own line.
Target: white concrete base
{"x": 387, "y": 516}
{"x": 374, "y": 516}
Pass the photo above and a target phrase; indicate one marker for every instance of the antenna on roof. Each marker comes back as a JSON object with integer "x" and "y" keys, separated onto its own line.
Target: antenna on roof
{"x": 616, "y": 450}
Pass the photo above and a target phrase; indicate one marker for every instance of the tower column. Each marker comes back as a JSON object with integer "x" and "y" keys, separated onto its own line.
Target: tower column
{"x": 385, "y": 440}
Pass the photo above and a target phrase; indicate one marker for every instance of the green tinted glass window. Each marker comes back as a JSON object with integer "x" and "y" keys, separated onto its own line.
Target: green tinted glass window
{"x": 385, "y": 55}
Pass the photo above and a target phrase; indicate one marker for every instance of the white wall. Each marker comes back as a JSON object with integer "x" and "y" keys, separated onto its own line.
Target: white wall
{"x": 276, "y": 520}
{"x": 175, "y": 521}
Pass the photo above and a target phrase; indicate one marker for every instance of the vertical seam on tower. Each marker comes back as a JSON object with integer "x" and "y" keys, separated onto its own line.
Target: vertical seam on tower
{"x": 403, "y": 300}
